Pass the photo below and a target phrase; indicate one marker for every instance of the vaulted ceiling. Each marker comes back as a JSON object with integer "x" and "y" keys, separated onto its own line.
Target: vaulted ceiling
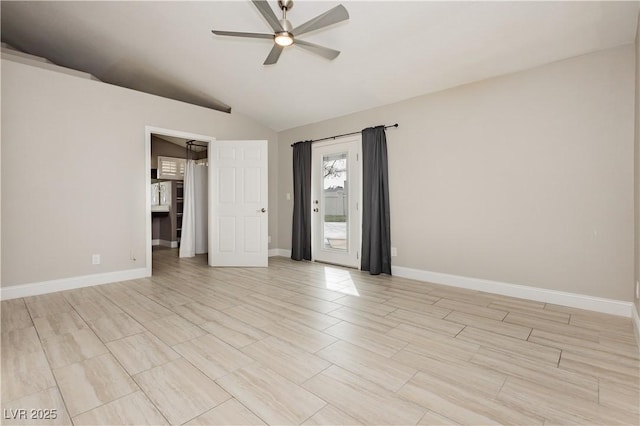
{"x": 390, "y": 50}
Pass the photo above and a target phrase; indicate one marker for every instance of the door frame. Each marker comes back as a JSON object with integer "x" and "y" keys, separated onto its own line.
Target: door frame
{"x": 357, "y": 139}
{"x": 148, "y": 131}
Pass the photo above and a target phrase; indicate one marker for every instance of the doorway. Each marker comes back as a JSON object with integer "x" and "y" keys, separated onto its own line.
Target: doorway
{"x": 164, "y": 172}
{"x": 237, "y": 218}
{"x": 336, "y": 194}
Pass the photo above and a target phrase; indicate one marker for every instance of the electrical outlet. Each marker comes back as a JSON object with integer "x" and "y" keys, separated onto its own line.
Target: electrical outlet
{"x": 95, "y": 259}
{"x": 394, "y": 251}
{"x": 288, "y": 195}
{"x": 637, "y": 289}
{"x": 132, "y": 256}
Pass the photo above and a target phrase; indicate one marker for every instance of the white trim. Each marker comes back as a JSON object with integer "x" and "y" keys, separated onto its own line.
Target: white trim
{"x": 147, "y": 203}
{"x": 44, "y": 287}
{"x": 164, "y": 243}
{"x": 338, "y": 141}
{"x": 285, "y": 253}
{"x": 636, "y": 323}
{"x": 279, "y": 252}
{"x": 581, "y": 301}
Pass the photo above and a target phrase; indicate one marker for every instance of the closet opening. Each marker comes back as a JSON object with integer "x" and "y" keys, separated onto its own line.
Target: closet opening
{"x": 178, "y": 198}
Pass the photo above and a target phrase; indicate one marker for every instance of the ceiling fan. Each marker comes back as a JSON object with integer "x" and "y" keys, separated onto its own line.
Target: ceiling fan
{"x": 285, "y": 35}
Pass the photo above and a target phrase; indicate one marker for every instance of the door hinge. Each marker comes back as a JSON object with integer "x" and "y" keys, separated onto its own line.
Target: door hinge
{"x": 357, "y": 157}
{"x": 357, "y": 255}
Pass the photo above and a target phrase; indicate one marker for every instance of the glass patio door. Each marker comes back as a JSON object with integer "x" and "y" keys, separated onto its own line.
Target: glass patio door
{"x": 336, "y": 198}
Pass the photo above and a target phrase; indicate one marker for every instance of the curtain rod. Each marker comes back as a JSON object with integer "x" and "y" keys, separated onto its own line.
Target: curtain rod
{"x": 345, "y": 134}
{"x": 194, "y": 142}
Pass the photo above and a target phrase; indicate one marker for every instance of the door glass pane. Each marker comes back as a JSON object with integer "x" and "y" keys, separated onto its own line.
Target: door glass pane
{"x": 335, "y": 201}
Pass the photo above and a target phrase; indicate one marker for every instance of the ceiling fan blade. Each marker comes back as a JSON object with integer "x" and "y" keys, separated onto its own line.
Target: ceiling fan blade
{"x": 237, "y": 34}
{"x": 273, "y": 55}
{"x": 325, "y": 52}
{"x": 268, "y": 14}
{"x": 330, "y": 17}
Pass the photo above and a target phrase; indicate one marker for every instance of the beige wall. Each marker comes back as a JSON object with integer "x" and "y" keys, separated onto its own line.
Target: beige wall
{"x": 525, "y": 178}
{"x": 160, "y": 147}
{"x": 60, "y": 205}
{"x": 637, "y": 170}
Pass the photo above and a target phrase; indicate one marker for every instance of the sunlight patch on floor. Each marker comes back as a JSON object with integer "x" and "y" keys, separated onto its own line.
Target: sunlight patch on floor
{"x": 340, "y": 280}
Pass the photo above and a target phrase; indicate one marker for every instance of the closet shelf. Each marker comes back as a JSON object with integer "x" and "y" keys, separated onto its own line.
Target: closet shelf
{"x": 168, "y": 217}
{"x": 164, "y": 208}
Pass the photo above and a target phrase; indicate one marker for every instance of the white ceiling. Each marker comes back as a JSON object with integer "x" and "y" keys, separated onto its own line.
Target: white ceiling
{"x": 391, "y": 50}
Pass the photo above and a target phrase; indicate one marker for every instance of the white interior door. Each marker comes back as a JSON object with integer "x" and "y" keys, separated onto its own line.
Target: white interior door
{"x": 238, "y": 215}
{"x": 336, "y": 198}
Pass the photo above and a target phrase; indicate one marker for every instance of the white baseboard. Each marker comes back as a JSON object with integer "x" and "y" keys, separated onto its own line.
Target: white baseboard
{"x": 581, "y": 301}
{"x": 43, "y": 287}
{"x": 636, "y": 323}
{"x": 165, "y": 243}
{"x": 279, "y": 252}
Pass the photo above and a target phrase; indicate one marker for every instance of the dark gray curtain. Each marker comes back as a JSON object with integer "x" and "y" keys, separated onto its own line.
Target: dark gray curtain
{"x": 301, "y": 232}
{"x": 376, "y": 228}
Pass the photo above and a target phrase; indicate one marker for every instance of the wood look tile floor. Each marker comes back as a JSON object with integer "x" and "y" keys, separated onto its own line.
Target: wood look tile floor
{"x": 307, "y": 343}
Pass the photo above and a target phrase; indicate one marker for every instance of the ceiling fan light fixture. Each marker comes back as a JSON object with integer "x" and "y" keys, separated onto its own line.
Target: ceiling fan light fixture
{"x": 285, "y": 34}
{"x": 283, "y": 39}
